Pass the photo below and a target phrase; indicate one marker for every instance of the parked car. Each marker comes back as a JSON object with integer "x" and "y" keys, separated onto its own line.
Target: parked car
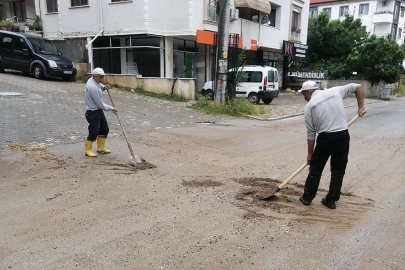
{"x": 257, "y": 83}
{"x": 32, "y": 54}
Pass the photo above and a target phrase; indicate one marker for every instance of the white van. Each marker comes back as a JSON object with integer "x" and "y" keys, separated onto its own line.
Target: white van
{"x": 258, "y": 83}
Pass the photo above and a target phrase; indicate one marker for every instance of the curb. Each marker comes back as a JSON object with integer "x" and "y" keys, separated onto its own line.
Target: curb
{"x": 297, "y": 114}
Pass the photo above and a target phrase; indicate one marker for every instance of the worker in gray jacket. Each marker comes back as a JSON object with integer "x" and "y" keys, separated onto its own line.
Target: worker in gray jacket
{"x": 325, "y": 114}
{"x": 95, "y": 107}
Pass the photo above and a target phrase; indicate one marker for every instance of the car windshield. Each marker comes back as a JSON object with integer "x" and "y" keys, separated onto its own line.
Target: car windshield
{"x": 43, "y": 46}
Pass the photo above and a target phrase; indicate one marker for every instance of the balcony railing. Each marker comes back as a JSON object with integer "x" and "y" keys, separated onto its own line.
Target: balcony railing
{"x": 295, "y": 34}
{"x": 211, "y": 10}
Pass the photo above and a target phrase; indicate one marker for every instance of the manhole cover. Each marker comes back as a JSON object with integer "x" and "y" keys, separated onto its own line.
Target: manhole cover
{"x": 9, "y": 94}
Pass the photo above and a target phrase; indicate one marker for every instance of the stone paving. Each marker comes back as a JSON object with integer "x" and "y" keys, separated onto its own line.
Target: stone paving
{"x": 52, "y": 111}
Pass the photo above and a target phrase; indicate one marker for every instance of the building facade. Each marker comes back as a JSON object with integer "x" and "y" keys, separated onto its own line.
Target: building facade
{"x": 379, "y": 17}
{"x": 152, "y": 38}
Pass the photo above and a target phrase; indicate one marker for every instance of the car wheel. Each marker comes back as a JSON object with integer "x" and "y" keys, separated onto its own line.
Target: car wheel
{"x": 267, "y": 100}
{"x": 38, "y": 72}
{"x": 1, "y": 68}
{"x": 254, "y": 98}
{"x": 209, "y": 94}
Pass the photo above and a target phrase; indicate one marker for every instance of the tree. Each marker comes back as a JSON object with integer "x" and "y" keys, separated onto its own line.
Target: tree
{"x": 330, "y": 43}
{"x": 378, "y": 59}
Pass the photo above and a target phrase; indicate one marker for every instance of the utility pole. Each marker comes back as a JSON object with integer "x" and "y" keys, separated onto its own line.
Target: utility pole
{"x": 223, "y": 43}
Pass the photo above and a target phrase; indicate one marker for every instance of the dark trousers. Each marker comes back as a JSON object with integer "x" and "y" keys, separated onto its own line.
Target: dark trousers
{"x": 335, "y": 145}
{"x": 98, "y": 125}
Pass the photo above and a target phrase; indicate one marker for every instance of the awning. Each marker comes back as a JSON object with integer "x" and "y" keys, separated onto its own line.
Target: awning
{"x": 260, "y": 5}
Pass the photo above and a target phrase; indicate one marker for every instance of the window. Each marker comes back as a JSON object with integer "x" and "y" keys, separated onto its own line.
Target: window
{"x": 328, "y": 10}
{"x": 343, "y": 11}
{"x": 19, "y": 10}
{"x": 270, "y": 76}
{"x": 363, "y": 10}
{"x": 399, "y": 33}
{"x": 313, "y": 12}
{"x": 364, "y": 27}
{"x": 252, "y": 76}
{"x": 396, "y": 12}
{"x": 249, "y": 14}
{"x": 402, "y": 13}
{"x": 1, "y": 12}
{"x": 52, "y": 6}
{"x": 20, "y": 44}
{"x": 7, "y": 43}
{"x": 273, "y": 17}
{"x": 43, "y": 46}
{"x": 78, "y": 3}
{"x": 295, "y": 21}
{"x": 113, "y": 1}
{"x": 394, "y": 32}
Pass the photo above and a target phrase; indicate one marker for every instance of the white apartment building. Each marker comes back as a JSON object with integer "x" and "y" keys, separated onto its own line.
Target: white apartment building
{"x": 151, "y": 37}
{"x": 379, "y": 17}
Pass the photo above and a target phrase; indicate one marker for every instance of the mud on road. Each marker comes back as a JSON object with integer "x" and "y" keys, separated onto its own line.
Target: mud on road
{"x": 198, "y": 209}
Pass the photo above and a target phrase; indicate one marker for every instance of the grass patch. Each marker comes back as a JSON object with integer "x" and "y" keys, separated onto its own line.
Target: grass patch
{"x": 141, "y": 91}
{"x": 238, "y": 107}
{"x": 400, "y": 91}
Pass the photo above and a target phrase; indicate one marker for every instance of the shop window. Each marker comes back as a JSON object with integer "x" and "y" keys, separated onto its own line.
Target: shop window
{"x": 78, "y": 3}
{"x": 145, "y": 60}
{"x": 52, "y": 6}
{"x": 249, "y": 14}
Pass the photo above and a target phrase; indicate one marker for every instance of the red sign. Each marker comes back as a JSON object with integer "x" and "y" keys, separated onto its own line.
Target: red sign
{"x": 253, "y": 45}
{"x": 205, "y": 37}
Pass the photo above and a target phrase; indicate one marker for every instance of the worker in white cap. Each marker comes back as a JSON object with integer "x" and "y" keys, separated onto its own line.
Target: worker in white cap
{"x": 325, "y": 114}
{"x": 95, "y": 107}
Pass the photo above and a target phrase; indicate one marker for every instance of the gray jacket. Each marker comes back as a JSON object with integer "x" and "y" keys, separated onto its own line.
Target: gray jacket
{"x": 94, "y": 96}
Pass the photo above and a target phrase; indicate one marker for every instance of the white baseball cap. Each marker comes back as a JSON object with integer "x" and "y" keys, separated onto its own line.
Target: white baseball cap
{"x": 309, "y": 85}
{"x": 98, "y": 71}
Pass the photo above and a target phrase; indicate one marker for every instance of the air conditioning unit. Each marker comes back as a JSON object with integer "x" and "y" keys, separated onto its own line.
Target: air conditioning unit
{"x": 234, "y": 14}
{"x": 384, "y": 3}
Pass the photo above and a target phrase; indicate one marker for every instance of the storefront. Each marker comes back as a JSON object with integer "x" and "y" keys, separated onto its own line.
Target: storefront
{"x": 144, "y": 56}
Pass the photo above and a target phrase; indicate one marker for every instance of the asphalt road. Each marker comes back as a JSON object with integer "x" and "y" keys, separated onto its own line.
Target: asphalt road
{"x": 378, "y": 240}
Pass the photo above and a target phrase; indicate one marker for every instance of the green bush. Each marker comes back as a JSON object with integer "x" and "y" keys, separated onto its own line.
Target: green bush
{"x": 237, "y": 107}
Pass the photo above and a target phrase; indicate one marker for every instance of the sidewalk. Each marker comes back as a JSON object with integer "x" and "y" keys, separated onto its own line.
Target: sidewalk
{"x": 291, "y": 104}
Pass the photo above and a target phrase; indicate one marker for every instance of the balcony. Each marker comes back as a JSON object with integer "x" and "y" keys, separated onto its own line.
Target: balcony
{"x": 295, "y": 34}
{"x": 383, "y": 17}
{"x": 211, "y": 11}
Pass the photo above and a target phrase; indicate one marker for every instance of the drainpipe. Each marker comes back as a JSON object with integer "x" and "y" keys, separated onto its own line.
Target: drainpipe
{"x": 101, "y": 15}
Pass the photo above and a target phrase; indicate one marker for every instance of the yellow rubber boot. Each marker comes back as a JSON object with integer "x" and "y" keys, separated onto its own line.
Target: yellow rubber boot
{"x": 89, "y": 150}
{"x": 101, "y": 146}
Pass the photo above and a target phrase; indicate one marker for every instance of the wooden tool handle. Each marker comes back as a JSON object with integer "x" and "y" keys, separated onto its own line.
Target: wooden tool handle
{"x": 122, "y": 127}
{"x": 293, "y": 175}
{"x": 353, "y": 120}
{"x": 305, "y": 164}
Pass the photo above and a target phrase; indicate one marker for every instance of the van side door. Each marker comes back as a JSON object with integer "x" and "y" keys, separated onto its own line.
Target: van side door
{"x": 271, "y": 80}
{"x": 251, "y": 81}
{"x": 22, "y": 55}
{"x": 7, "y": 51}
